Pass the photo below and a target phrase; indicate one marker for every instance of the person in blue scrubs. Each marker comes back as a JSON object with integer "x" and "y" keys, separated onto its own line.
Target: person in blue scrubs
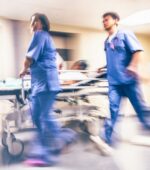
{"x": 40, "y": 58}
{"x": 122, "y": 52}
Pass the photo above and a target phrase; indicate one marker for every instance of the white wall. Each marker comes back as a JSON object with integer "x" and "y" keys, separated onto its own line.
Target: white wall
{"x": 15, "y": 36}
{"x": 22, "y": 37}
{"x": 13, "y": 43}
{"x": 7, "y": 50}
{"x": 88, "y": 45}
{"x": 144, "y": 66}
{"x": 91, "y": 48}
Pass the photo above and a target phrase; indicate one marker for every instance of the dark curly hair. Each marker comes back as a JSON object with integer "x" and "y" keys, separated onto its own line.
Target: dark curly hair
{"x": 82, "y": 64}
{"x": 44, "y": 20}
{"x": 114, "y": 15}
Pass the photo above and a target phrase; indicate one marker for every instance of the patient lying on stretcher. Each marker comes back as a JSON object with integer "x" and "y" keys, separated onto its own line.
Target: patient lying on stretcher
{"x": 88, "y": 117}
{"x": 70, "y": 77}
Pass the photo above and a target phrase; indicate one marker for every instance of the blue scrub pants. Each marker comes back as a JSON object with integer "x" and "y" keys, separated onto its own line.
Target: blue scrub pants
{"x": 47, "y": 138}
{"x": 134, "y": 94}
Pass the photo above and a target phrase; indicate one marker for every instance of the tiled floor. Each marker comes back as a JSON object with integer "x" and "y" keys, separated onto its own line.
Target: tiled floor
{"x": 84, "y": 156}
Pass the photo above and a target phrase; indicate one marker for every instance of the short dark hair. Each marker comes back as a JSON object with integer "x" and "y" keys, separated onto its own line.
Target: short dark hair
{"x": 114, "y": 15}
{"x": 82, "y": 64}
{"x": 44, "y": 20}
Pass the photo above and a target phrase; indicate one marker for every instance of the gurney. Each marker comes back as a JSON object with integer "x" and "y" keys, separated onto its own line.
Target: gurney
{"x": 90, "y": 86}
{"x": 83, "y": 83}
{"x": 15, "y": 91}
{"x": 89, "y": 118}
{"x": 75, "y": 92}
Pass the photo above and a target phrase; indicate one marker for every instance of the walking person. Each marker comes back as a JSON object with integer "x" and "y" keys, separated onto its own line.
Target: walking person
{"x": 41, "y": 60}
{"x": 123, "y": 51}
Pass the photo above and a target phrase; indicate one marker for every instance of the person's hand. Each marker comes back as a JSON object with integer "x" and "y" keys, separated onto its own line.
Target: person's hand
{"x": 99, "y": 70}
{"x": 132, "y": 71}
{"x": 22, "y": 73}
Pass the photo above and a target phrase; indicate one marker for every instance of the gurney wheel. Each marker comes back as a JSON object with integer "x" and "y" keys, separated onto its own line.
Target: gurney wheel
{"x": 16, "y": 148}
{"x": 4, "y": 138}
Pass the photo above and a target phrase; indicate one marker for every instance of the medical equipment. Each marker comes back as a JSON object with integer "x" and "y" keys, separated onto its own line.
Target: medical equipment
{"x": 72, "y": 94}
{"x": 89, "y": 119}
{"x": 13, "y": 91}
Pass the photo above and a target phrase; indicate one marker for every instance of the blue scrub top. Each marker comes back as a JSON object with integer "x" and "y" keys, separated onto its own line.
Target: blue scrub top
{"x": 44, "y": 74}
{"x": 119, "y": 53}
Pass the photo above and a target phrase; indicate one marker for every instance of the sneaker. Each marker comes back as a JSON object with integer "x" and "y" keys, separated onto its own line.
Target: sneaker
{"x": 36, "y": 162}
{"x": 104, "y": 148}
{"x": 41, "y": 162}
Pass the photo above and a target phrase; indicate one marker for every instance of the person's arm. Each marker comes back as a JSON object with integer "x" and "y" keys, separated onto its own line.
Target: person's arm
{"x": 27, "y": 63}
{"x": 101, "y": 68}
{"x": 33, "y": 52}
{"x": 136, "y": 49}
{"x": 133, "y": 65}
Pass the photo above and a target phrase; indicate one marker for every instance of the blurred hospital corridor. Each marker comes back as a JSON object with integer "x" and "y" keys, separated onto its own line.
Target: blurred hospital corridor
{"x": 83, "y": 155}
{"x": 65, "y": 84}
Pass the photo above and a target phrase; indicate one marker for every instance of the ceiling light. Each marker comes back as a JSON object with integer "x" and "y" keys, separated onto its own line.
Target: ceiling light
{"x": 138, "y": 18}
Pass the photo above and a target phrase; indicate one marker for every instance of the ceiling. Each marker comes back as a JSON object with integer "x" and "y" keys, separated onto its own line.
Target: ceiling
{"x": 82, "y": 13}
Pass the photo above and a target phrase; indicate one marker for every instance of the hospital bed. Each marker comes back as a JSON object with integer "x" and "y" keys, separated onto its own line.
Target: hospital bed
{"x": 81, "y": 109}
{"x": 15, "y": 91}
{"x": 74, "y": 93}
{"x": 93, "y": 84}
{"x": 89, "y": 119}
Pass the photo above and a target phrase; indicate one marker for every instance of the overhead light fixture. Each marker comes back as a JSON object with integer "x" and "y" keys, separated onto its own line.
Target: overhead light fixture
{"x": 138, "y": 18}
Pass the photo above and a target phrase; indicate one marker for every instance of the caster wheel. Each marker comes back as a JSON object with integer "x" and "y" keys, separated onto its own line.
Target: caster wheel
{"x": 16, "y": 148}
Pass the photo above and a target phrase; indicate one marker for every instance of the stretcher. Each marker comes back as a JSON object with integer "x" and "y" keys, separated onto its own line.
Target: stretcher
{"x": 89, "y": 119}
{"x": 15, "y": 91}
{"x": 95, "y": 84}
{"x": 70, "y": 93}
